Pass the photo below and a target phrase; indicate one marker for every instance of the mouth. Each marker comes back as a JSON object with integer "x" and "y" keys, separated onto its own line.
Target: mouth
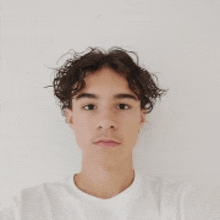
{"x": 107, "y": 144}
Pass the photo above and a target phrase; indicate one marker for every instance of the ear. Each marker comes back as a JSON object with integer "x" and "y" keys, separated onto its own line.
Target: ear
{"x": 69, "y": 118}
{"x": 142, "y": 119}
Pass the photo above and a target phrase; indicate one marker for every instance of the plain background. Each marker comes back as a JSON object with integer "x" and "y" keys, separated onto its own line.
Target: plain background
{"x": 177, "y": 40}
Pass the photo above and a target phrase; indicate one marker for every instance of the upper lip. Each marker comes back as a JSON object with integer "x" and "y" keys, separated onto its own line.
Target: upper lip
{"x": 106, "y": 141}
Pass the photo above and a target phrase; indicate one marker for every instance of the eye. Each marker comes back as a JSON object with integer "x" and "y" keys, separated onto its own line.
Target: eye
{"x": 124, "y": 105}
{"x": 87, "y": 105}
{"x": 91, "y": 107}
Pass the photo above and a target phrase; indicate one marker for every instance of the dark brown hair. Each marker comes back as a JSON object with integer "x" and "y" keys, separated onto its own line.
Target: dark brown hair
{"x": 75, "y": 69}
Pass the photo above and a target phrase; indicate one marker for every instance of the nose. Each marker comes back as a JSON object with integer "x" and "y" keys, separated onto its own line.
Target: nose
{"x": 107, "y": 120}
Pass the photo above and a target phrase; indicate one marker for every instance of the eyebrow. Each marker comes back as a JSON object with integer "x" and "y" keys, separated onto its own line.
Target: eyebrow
{"x": 117, "y": 96}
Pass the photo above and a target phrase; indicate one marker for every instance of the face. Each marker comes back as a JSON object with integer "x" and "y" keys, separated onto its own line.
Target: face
{"x": 105, "y": 117}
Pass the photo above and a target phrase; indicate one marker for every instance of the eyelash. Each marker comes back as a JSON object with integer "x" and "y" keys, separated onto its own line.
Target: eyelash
{"x": 94, "y": 105}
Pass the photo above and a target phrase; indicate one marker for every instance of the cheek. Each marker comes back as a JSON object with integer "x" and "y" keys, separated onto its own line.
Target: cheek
{"x": 130, "y": 128}
{"x": 84, "y": 128}
{"x": 83, "y": 136}
{"x": 132, "y": 121}
{"x": 131, "y": 131}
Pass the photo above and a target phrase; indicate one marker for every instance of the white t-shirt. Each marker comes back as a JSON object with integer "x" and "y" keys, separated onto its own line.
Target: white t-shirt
{"x": 147, "y": 198}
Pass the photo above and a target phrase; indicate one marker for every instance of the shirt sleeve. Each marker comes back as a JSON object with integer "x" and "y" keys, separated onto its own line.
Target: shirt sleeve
{"x": 202, "y": 202}
{"x": 8, "y": 213}
{"x": 11, "y": 212}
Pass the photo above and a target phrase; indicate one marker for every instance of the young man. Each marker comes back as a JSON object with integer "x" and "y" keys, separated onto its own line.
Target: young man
{"x": 105, "y": 97}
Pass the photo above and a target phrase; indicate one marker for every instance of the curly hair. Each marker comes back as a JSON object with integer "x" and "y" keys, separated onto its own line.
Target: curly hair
{"x": 69, "y": 78}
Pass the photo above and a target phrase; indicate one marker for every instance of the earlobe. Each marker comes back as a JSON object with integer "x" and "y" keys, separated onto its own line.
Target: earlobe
{"x": 69, "y": 118}
{"x": 143, "y": 116}
{"x": 143, "y": 119}
{"x": 67, "y": 115}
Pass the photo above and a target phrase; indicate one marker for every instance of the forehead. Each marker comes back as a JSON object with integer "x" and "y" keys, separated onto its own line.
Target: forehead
{"x": 106, "y": 82}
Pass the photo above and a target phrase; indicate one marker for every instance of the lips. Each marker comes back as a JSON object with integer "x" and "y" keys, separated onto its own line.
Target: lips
{"x": 106, "y": 141}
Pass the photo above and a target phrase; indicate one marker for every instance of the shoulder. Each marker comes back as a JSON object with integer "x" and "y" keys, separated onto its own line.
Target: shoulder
{"x": 41, "y": 192}
{"x": 166, "y": 193}
{"x": 183, "y": 199}
{"x": 35, "y": 198}
{"x": 165, "y": 186}
{"x": 202, "y": 202}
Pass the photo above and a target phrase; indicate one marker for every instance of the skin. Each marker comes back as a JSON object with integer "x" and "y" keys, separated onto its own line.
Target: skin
{"x": 105, "y": 171}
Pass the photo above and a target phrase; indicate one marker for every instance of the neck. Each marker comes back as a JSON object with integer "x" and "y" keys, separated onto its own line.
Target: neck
{"x": 105, "y": 181}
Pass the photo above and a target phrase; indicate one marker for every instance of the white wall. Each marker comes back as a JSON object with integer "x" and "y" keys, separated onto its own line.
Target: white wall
{"x": 177, "y": 39}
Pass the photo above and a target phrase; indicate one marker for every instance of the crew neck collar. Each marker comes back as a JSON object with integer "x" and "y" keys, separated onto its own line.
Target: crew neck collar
{"x": 121, "y": 198}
